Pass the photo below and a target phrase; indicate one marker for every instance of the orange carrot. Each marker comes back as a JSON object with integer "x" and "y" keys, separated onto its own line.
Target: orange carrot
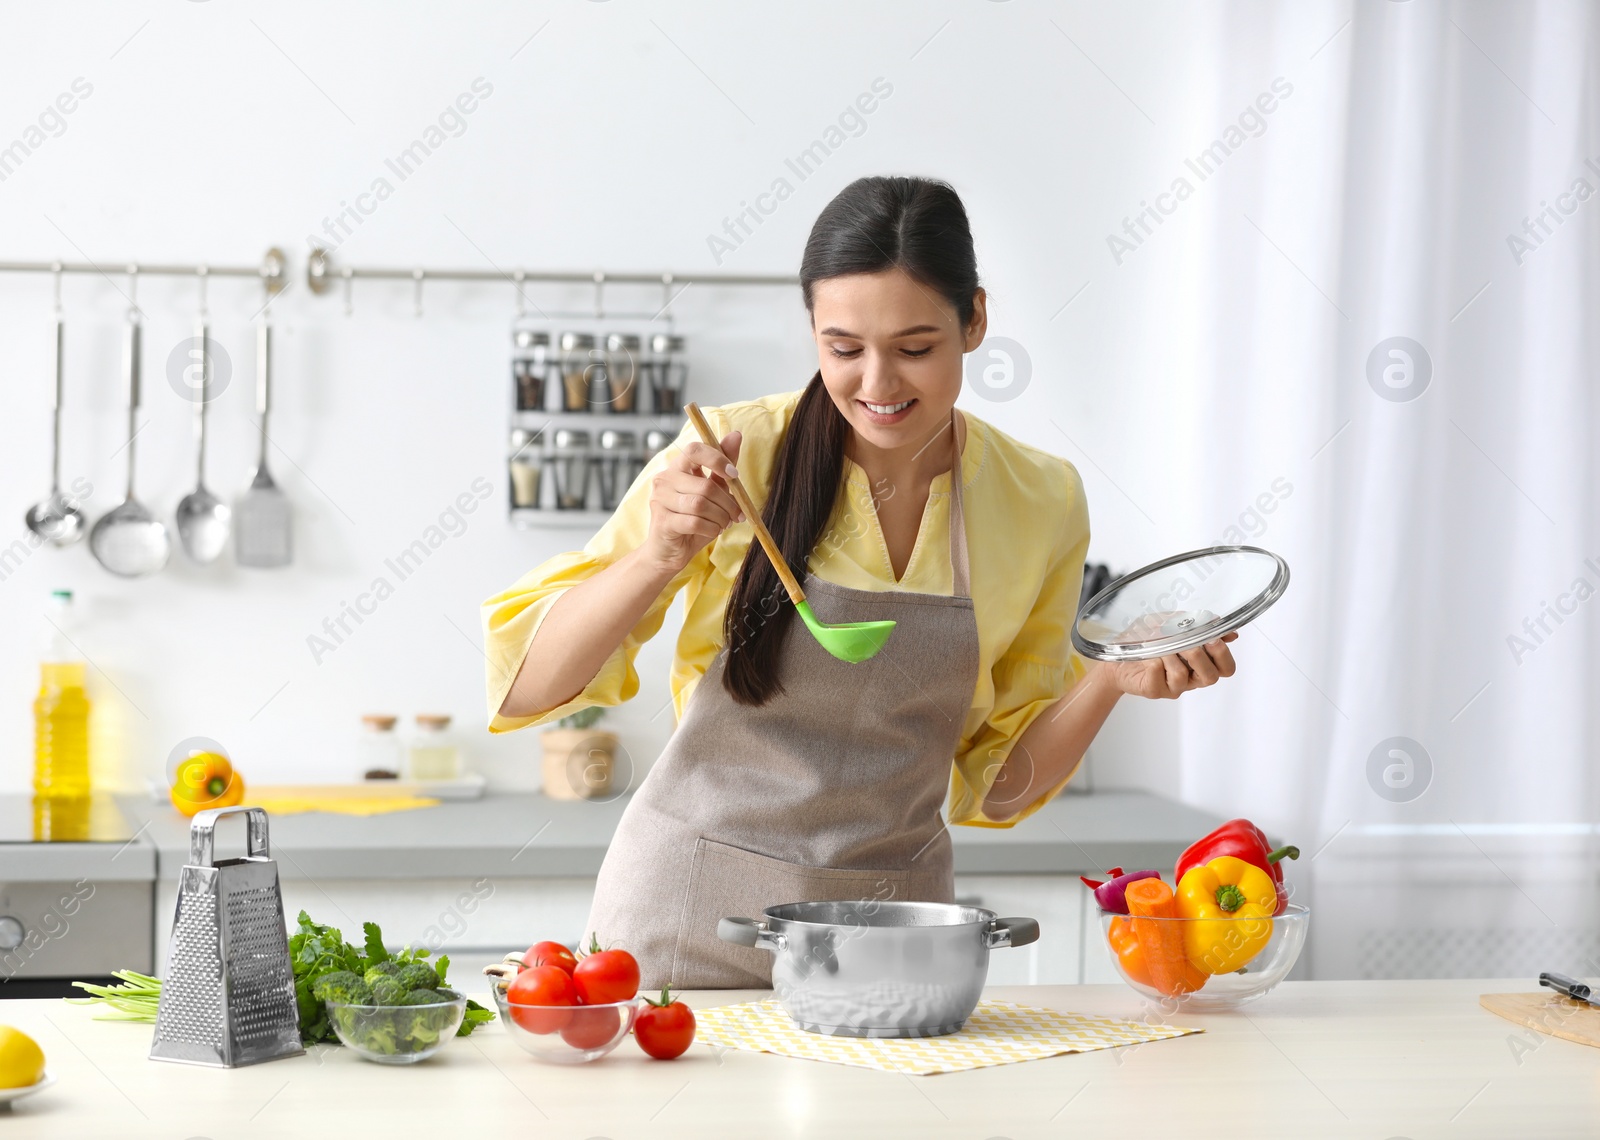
{"x": 1171, "y": 972}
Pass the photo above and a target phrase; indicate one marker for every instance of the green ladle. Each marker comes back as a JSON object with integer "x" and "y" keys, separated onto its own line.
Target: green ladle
{"x": 852, "y": 641}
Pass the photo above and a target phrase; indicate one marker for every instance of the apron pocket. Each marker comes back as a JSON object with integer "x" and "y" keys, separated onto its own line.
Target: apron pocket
{"x": 730, "y": 882}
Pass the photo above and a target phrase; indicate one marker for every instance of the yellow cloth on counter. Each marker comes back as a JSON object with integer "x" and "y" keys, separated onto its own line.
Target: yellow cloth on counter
{"x": 997, "y": 1033}
{"x": 334, "y": 799}
{"x": 1027, "y": 533}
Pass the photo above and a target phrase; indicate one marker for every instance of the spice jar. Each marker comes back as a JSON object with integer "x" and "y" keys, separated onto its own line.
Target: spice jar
{"x": 667, "y": 370}
{"x": 526, "y": 465}
{"x": 530, "y": 369}
{"x": 613, "y": 461}
{"x": 569, "y": 458}
{"x": 578, "y": 356}
{"x": 433, "y": 754}
{"x": 622, "y": 371}
{"x": 655, "y": 440}
{"x": 379, "y": 755}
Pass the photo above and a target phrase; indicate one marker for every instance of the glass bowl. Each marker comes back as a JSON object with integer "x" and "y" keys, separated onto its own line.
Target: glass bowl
{"x": 397, "y": 1034}
{"x": 1249, "y": 972}
{"x": 566, "y": 1034}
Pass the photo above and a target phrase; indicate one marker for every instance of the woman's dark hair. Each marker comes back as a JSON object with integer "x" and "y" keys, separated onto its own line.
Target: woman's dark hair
{"x": 917, "y": 225}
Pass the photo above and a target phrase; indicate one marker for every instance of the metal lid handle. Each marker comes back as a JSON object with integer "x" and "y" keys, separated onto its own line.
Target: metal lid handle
{"x": 205, "y": 823}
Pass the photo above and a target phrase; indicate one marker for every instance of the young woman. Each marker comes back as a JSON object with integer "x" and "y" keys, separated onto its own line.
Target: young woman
{"x": 793, "y": 776}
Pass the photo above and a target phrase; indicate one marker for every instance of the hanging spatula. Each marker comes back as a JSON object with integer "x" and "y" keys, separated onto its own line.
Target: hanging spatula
{"x": 263, "y": 526}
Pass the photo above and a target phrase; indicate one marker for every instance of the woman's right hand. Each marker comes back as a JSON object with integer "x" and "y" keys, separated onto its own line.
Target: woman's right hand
{"x": 690, "y": 503}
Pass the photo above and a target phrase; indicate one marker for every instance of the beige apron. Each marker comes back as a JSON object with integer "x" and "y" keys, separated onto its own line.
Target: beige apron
{"x": 833, "y": 789}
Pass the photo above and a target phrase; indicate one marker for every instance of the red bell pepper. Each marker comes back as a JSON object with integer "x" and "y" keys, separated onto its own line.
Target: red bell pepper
{"x": 1243, "y": 840}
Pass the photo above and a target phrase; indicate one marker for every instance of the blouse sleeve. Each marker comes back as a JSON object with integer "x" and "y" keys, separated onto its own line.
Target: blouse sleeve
{"x": 1034, "y": 672}
{"x": 512, "y": 618}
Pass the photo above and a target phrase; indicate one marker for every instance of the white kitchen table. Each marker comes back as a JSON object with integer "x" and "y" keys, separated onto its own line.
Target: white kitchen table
{"x": 1313, "y": 1059}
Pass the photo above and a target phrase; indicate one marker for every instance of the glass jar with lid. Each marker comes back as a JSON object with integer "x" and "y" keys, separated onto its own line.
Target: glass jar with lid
{"x": 379, "y": 754}
{"x": 569, "y": 462}
{"x": 667, "y": 370}
{"x": 433, "y": 754}
{"x": 613, "y": 460}
{"x": 655, "y": 441}
{"x": 622, "y": 371}
{"x": 531, "y": 368}
{"x": 526, "y": 464}
{"x": 579, "y": 357}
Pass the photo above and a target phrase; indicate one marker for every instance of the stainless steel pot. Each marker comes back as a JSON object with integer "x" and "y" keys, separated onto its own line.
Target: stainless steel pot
{"x": 878, "y": 969}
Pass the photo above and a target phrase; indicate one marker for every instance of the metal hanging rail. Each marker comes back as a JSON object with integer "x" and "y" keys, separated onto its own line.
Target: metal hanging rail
{"x": 273, "y": 269}
{"x": 321, "y": 275}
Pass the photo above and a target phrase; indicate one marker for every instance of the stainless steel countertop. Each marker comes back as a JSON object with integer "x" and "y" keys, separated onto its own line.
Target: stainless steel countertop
{"x": 529, "y": 835}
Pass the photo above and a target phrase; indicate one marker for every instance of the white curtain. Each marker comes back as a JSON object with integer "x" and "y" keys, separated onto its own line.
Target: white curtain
{"x": 1434, "y": 176}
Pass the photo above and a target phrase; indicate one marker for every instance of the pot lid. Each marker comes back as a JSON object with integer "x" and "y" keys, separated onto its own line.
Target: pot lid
{"x": 1179, "y": 603}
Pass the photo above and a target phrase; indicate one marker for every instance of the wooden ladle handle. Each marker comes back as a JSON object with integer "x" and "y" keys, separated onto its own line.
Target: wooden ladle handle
{"x": 752, "y": 516}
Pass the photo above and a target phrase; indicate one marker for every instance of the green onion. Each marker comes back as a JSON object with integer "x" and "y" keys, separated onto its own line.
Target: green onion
{"x": 135, "y": 1000}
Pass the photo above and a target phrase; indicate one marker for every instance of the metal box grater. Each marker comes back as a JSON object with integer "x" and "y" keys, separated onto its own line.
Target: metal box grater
{"x": 227, "y": 996}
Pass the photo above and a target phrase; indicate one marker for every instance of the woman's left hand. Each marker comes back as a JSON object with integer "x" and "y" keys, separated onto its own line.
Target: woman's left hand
{"x": 1165, "y": 678}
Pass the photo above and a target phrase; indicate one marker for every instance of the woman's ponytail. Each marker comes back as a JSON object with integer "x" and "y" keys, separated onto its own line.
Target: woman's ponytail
{"x": 804, "y": 486}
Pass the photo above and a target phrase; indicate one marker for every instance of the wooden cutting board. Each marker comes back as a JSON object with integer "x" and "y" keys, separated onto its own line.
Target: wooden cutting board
{"x": 1548, "y": 1012}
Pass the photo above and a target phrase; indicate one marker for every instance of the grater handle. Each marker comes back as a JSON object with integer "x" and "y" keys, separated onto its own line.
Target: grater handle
{"x": 205, "y": 822}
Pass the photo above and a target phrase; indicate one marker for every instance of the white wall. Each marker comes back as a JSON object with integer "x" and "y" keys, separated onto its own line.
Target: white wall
{"x": 619, "y": 136}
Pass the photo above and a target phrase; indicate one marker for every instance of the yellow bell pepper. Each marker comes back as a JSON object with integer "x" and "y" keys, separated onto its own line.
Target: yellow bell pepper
{"x": 1230, "y": 903}
{"x": 206, "y": 780}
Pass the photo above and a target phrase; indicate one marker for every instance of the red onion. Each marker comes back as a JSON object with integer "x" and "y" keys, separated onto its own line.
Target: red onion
{"x": 1112, "y": 895}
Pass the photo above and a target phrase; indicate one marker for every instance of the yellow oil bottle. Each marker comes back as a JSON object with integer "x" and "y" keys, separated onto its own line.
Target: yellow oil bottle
{"x": 61, "y": 711}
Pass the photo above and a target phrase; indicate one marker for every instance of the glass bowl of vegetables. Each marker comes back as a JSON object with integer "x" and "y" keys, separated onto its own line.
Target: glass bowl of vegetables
{"x": 395, "y": 1014}
{"x": 566, "y": 1034}
{"x": 1221, "y": 934}
{"x": 399, "y": 1034}
{"x": 1204, "y": 964}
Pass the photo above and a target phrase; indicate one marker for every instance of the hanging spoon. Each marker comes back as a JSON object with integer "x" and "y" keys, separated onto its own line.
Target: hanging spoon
{"x": 852, "y": 641}
{"x": 128, "y": 540}
{"x": 202, "y": 517}
{"x": 56, "y": 518}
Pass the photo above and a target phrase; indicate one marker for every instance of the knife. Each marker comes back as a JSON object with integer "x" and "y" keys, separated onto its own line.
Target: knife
{"x": 1573, "y": 988}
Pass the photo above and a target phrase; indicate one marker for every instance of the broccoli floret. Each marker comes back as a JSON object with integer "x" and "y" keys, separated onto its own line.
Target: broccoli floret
{"x": 388, "y": 991}
{"x": 418, "y": 976}
{"x": 343, "y": 987}
{"x": 424, "y": 997}
{"x": 381, "y": 970}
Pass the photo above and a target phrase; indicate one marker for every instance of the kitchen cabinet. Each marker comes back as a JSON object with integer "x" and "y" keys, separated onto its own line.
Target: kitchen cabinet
{"x": 1055, "y": 902}
{"x": 477, "y": 921}
{"x": 478, "y": 878}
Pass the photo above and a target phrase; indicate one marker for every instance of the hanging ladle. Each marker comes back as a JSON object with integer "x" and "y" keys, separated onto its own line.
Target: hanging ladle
{"x": 128, "y": 540}
{"x": 852, "y": 641}
{"x": 56, "y": 518}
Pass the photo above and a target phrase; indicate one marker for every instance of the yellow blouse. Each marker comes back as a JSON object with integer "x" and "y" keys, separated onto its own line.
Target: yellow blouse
{"x": 1027, "y": 532}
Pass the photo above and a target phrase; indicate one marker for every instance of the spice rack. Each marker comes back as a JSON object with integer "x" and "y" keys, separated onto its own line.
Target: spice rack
{"x": 589, "y": 410}
{"x": 593, "y": 396}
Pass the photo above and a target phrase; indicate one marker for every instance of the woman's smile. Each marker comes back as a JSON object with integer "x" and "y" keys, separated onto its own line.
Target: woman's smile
{"x": 887, "y": 413}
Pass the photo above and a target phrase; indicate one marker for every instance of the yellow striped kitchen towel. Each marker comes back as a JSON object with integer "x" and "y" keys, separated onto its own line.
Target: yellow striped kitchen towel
{"x": 997, "y": 1033}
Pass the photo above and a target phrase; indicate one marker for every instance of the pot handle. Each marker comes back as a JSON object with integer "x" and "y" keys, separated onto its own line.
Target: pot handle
{"x": 750, "y": 932}
{"x": 1012, "y": 932}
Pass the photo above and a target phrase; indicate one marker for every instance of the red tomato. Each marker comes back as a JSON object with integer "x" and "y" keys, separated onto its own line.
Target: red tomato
{"x": 541, "y": 986}
{"x": 605, "y": 976}
{"x": 665, "y": 1028}
{"x": 592, "y": 1028}
{"x": 549, "y": 954}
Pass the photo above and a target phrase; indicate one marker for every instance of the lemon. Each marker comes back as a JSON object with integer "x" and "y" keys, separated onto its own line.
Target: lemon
{"x": 21, "y": 1059}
